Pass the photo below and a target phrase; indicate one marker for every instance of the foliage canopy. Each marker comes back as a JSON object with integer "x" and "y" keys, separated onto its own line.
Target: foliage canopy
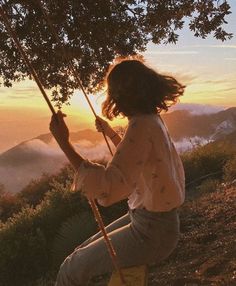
{"x": 94, "y": 33}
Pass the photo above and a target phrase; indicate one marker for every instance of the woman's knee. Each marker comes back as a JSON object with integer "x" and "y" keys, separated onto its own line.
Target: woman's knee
{"x": 73, "y": 271}
{"x": 64, "y": 276}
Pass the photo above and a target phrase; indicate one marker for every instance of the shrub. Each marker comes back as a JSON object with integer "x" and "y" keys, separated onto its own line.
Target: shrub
{"x": 113, "y": 212}
{"x": 72, "y": 233}
{"x": 209, "y": 186}
{"x": 9, "y": 204}
{"x": 230, "y": 170}
{"x": 23, "y": 252}
{"x": 205, "y": 160}
{"x": 26, "y": 238}
{"x": 47, "y": 279}
{"x": 35, "y": 191}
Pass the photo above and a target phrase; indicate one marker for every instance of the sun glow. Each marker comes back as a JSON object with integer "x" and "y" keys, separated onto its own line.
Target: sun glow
{"x": 207, "y": 67}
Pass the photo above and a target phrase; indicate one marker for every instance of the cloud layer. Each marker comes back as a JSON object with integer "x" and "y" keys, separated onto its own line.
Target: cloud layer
{"x": 197, "y": 109}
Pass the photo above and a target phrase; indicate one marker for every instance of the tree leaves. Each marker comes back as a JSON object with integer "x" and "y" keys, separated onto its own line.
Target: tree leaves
{"x": 94, "y": 33}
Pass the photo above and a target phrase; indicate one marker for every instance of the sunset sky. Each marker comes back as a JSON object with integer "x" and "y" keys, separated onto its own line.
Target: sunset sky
{"x": 207, "y": 67}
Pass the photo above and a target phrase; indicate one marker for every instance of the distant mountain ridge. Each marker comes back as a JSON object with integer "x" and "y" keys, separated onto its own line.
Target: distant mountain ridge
{"x": 85, "y": 134}
{"x": 181, "y": 124}
{"x": 30, "y": 159}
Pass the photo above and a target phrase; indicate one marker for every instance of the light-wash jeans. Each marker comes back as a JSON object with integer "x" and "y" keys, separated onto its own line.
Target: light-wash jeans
{"x": 139, "y": 237}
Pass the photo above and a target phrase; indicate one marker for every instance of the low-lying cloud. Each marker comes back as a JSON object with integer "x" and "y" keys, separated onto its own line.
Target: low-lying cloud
{"x": 91, "y": 151}
{"x": 197, "y": 109}
{"x": 33, "y": 158}
{"x": 28, "y": 161}
{"x": 187, "y": 144}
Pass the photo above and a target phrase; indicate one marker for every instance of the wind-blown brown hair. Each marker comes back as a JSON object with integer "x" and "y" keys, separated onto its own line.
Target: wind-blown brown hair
{"x": 134, "y": 88}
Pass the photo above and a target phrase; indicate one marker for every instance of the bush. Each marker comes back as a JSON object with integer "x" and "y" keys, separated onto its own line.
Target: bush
{"x": 230, "y": 170}
{"x": 23, "y": 252}
{"x": 9, "y": 204}
{"x": 32, "y": 194}
{"x": 206, "y": 160}
{"x": 209, "y": 186}
{"x": 72, "y": 233}
{"x": 26, "y": 239}
{"x": 46, "y": 280}
{"x": 35, "y": 191}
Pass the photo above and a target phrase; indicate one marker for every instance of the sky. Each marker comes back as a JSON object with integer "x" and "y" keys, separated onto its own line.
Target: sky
{"x": 207, "y": 67}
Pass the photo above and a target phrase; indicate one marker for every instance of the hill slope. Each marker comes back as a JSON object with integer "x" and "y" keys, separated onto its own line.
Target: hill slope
{"x": 206, "y": 253}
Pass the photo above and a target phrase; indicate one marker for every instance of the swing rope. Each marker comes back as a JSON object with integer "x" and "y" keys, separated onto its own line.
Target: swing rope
{"x": 76, "y": 76}
{"x": 92, "y": 203}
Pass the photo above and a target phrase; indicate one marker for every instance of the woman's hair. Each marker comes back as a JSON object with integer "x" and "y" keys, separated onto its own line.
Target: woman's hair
{"x": 134, "y": 88}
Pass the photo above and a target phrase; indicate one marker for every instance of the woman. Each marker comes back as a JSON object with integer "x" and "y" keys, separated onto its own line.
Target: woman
{"x": 145, "y": 168}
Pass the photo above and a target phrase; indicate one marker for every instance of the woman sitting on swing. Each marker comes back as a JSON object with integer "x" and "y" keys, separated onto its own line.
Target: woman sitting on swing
{"x": 145, "y": 169}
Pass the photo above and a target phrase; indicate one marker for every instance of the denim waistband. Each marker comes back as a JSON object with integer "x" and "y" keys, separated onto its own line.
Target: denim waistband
{"x": 152, "y": 213}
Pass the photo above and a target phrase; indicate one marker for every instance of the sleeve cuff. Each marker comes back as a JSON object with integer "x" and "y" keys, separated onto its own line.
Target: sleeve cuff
{"x": 80, "y": 175}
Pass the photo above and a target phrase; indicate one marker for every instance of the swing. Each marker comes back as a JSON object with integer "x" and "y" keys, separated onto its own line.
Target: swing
{"x": 134, "y": 276}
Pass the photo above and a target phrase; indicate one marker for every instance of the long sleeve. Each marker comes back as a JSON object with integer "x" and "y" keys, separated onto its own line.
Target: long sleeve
{"x": 117, "y": 181}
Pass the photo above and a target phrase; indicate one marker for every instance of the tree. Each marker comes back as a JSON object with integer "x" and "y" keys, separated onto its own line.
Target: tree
{"x": 94, "y": 32}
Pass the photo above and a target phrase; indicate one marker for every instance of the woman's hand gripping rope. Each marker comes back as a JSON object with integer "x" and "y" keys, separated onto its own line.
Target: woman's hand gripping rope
{"x": 59, "y": 128}
{"x": 103, "y": 126}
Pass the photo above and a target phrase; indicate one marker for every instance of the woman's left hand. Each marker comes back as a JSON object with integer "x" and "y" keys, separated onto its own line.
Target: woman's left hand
{"x": 59, "y": 129}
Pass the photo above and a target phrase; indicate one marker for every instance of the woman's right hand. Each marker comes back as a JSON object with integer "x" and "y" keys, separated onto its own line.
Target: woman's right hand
{"x": 103, "y": 126}
{"x": 59, "y": 129}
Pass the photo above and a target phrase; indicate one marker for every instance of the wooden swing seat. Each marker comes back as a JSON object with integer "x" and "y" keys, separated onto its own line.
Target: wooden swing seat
{"x": 134, "y": 276}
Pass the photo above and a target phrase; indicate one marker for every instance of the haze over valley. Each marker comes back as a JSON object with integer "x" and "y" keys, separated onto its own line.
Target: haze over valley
{"x": 34, "y": 157}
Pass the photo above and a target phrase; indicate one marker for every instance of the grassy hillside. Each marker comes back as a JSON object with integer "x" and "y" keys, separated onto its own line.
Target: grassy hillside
{"x": 206, "y": 253}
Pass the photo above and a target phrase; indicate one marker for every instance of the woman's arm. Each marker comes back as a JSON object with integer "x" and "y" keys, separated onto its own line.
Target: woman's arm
{"x": 74, "y": 158}
{"x": 60, "y": 132}
{"x": 120, "y": 177}
{"x": 103, "y": 126}
{"x": 115, "y": 138}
